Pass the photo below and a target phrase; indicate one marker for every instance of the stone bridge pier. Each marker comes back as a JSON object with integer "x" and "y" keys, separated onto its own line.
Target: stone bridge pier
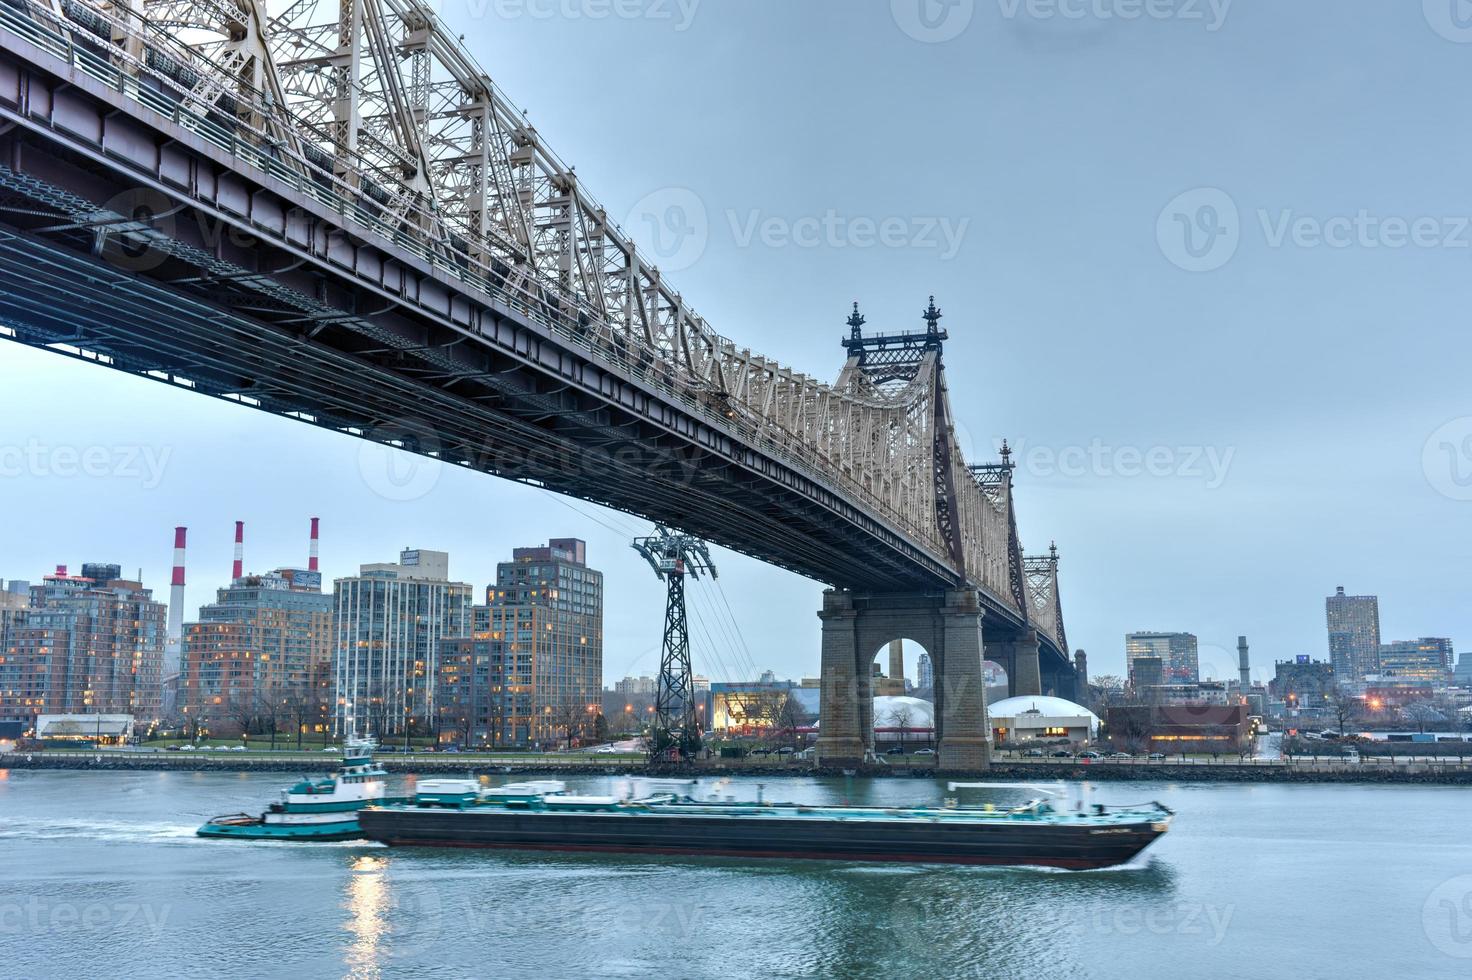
{"x": 1020, "y": 657}
{"x": 856, "y": 626}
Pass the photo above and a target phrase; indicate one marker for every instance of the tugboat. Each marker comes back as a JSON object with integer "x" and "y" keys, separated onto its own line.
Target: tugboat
{"x": 314, "y": 810}
{"x": 1036, "y": 833}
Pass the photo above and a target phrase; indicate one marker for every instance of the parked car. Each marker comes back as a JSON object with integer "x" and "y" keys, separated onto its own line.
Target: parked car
{"x": 896, "y": 750}
{"x": 1157, "y": 755}
{"x": 1033, "y": 754}
{"x": 605, "y": 750}
{"x": 1091, "y": 754}
{"x": 786, "y": 750}
{"x": 1062, "y": 754}
{"x": 925, "y": 751}
{"x": 1122, "y": 755}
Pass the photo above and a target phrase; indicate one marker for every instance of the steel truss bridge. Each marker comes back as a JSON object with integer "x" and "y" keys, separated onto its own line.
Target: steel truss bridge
{"x": 330, "y": 212}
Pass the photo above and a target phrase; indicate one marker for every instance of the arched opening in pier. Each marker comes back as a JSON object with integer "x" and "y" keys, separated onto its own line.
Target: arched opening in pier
{"x": 899, "y": 716}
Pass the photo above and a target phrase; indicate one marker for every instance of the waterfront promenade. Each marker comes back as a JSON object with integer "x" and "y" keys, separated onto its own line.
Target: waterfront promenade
{"x": 1409, "y": 769}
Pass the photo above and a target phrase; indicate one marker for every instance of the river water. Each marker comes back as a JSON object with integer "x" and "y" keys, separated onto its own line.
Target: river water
{"x": 101, "y": 876}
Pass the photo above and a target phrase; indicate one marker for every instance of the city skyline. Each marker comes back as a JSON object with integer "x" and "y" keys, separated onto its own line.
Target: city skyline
{"x": 1216, "y": 661}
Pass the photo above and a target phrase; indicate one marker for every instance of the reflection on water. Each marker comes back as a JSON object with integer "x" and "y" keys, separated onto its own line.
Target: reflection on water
{"x": 367, "y": 905}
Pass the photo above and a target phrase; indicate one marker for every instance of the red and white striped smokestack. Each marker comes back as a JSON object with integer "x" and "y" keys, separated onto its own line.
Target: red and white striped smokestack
{"x": 175, "y": 637}
{"x": 238, "y": 569}
{"x": 312, "y": 551}
{"x": 179, "y": 535}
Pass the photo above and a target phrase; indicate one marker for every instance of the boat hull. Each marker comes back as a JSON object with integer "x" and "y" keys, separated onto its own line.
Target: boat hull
{"x": 909, "y": 841}
{"x": 335, "y": 831}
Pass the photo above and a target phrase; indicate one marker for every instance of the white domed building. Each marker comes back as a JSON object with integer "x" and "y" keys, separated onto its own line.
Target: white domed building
{"x": 1039, "y": 717}
{"x": 906, "y": 720}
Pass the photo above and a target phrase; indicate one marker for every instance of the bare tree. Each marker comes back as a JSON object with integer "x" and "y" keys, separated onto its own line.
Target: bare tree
{"x": 299, "y": 707}
{"x": 271, "y": 709}
{"x": 1345, "y": 707}
{"x": 790, "y": 717}
{"x": 569, "y": 719}
{"x": 464, "y": 727}
{"x": 1106, "y": 691}
{"x": 904, "y": 720}
{"x": 241, "y": 710}
{"x": 1420, "y": 714}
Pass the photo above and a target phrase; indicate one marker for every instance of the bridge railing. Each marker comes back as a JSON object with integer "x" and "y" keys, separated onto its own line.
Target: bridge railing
{"x": 260, "y": 148}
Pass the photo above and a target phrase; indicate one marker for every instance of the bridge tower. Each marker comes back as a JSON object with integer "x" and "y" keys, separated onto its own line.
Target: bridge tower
{"x": 907, "y": 368}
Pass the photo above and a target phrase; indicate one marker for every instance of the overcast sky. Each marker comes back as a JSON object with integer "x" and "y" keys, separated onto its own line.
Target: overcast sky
{"x": 1207, "y": 266}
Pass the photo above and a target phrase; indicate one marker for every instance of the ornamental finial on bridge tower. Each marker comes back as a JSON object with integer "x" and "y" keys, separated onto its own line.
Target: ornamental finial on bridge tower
{"x": 1053, "y": 551}
{"x": 855, "y": 321}
{"x": 932, "y": 317}
{"x": 1006, "y": 453}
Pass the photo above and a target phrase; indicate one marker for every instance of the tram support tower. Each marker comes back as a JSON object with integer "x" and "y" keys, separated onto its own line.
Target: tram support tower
{"x": 676, "y": 734}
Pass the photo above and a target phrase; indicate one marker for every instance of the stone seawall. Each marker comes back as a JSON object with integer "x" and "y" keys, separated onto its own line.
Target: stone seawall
{"x": 1413, "y": 774}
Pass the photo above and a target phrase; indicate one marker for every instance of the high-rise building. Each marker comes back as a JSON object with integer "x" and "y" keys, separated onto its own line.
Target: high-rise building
{"x": 259, "y": 657}
{"x": 636, "y": 686}
{"x": 83, "y": 647}
{"x": 535, "y": 659}
{"x": 1176, "y": 651}
{"x": 924, "y": 672}
{"x": 389, "y": 621}
{"x": 1426, "y": 659}
{"x": 1354, "y": 634}
{"x": 1145, "y": 673}
{"x": 1462, "y": 676}
{"x": 1302, "y": 682}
